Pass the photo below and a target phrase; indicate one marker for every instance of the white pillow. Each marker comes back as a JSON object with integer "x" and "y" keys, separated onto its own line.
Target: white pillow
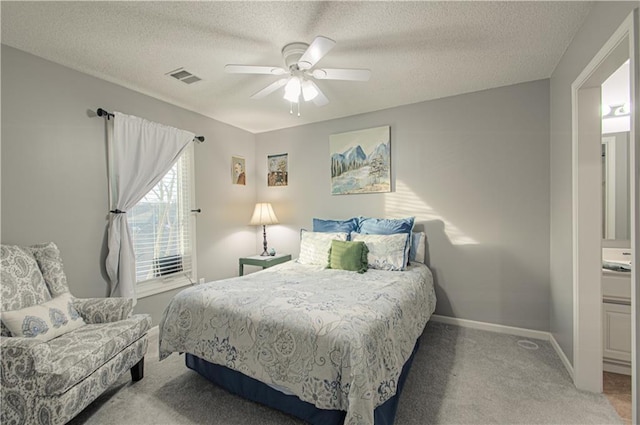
{"x": 314, "y": 246}
{"x": 418, "y": 247}
{"x": 44, "y": 321}
{"x": 386, "y": 252}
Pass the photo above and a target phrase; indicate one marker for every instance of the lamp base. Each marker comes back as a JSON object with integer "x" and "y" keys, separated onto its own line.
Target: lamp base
{"x": 265, "y": 253}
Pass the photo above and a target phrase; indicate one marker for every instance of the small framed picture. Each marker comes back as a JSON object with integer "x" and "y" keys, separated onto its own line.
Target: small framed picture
{"x": 278, "y": 169}
{"x": 238, "y": 174}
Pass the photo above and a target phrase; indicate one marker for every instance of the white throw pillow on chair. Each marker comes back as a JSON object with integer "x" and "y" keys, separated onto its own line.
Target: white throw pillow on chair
{"x": 44, "y": 321}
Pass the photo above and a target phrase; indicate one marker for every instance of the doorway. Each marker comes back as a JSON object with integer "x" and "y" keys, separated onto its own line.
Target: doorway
{"x": 588, "y": 211}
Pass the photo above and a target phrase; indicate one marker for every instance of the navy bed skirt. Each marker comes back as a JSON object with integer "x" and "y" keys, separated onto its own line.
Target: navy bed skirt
{"x": 252, "y": 389}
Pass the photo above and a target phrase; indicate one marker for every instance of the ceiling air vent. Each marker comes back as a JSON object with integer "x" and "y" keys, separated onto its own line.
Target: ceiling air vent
{"x": 184, "y": 76}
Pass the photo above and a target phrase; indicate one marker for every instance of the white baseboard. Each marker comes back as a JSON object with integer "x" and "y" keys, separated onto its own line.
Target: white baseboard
{"x": 492, "y": 327}
{"x": 509, "y": 330}
{"x": 560, "y": 353}
{"x": 622, "y": 368}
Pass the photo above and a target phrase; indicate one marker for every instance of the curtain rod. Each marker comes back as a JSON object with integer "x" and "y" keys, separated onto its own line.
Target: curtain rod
{"x": 103, "y": 113}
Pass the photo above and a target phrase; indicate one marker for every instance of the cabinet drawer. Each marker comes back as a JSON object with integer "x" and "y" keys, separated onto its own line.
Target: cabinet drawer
{"x": 616, "y": 332}
{"x": 616, "y": 286}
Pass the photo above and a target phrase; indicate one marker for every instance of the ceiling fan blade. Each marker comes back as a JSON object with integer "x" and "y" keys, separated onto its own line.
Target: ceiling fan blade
{"x": 320, "y": 99}
{"x": 318, "y": 48}
{"x": 342, "y": 74}
{"x": 254, "y": 69}
{"x": 270, "y": 88}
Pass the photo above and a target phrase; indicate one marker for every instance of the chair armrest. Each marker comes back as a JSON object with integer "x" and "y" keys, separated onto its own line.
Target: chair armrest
{"x": 103, "y": 310}
{"x": 20, "y": 357}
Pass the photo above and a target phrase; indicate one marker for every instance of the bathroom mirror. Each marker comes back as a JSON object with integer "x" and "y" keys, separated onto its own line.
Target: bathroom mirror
{"x": 616, "y": 221}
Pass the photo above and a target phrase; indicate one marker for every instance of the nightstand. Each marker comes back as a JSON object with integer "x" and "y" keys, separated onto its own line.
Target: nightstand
{"x": 262, "y": 261}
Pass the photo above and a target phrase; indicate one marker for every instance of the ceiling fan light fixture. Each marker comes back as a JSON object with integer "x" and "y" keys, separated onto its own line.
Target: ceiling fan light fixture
{"x": 625, "y": 109}
{"x": 299, "y": 73}
{"x": 309, "y": 92}
{"x": 613, "y": 111}
{"x": 292, "y": 90}
{"x": 291, "y": 97}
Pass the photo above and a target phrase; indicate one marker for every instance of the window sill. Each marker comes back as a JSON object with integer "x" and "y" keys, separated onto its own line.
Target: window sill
{"x": 159, "y": 286}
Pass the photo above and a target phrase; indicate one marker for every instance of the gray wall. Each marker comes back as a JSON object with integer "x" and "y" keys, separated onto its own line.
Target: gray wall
{"x": 54, "y": 179}
{"x": 473, "y": 169}
{"x": 600, "y": 24}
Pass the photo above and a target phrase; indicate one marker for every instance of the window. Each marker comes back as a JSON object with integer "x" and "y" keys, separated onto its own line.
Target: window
{"x": 162, "y": 229}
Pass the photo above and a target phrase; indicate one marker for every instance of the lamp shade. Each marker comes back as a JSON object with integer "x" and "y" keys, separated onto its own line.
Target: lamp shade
{"x": 263, "y": 214}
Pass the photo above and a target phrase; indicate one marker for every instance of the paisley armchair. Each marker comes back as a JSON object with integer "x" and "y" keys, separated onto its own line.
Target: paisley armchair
{"x": 58, "y": 353}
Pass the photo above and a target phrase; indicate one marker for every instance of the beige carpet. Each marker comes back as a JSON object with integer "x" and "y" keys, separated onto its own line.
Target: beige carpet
{"x": 459, "y": 376}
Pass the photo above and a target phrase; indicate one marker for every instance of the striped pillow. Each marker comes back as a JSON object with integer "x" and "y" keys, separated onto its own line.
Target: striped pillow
{"x": 314, "y": 247}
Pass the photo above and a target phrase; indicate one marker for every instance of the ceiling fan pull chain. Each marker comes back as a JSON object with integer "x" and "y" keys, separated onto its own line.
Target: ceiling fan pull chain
{"x": 298, "y": 108}
{"x": 291, "y": 108}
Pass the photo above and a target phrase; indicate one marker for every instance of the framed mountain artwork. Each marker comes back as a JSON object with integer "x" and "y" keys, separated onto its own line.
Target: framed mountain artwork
{"x": 361, "y": 161}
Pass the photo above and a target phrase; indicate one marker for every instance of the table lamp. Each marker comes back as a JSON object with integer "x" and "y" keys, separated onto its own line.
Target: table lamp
{"x": 262, "y": 215}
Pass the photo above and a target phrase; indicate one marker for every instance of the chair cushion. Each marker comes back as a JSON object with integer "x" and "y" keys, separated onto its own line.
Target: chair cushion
{"x": 77, "y": 354}
{"x": 44, "y": 321}
{"x": 22, "y": 282}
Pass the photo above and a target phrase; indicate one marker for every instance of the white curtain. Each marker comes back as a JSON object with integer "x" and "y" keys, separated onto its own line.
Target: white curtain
{"x": 141, "y": 152}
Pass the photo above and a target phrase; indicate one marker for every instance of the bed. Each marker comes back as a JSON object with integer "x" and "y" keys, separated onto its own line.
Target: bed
{"x": 296, "y": 336}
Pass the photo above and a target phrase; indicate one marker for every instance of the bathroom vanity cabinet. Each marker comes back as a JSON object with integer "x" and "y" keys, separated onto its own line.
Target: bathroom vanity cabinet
{"x": 616, "y": 316}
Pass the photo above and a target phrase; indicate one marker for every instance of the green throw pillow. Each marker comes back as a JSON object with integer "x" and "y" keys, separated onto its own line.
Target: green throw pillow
{"x": 345, "y": 255}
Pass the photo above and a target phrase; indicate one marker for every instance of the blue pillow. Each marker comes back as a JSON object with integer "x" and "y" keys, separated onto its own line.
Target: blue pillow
{"x": 385, "y": 226}
{"x": 418, "y": 247}
{"x": 388, "y": 226}
{"x": 348, "y": 226}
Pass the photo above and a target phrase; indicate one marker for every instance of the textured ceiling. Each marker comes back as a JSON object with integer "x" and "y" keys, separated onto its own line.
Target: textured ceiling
{"x": 416, "y": 51}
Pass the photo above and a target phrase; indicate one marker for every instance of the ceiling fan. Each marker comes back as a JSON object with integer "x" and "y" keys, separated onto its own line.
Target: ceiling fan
{"x": 299, "y": 73}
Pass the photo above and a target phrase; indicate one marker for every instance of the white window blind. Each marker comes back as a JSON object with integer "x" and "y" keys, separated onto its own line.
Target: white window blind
{"x": 162, "y": 228}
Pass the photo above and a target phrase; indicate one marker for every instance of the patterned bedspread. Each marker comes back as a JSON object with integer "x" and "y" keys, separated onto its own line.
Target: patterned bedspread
{"x": 334, "y": 338}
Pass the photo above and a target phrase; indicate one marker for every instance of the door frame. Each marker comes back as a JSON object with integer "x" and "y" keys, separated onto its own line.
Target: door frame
{"x": 587, "y": 214}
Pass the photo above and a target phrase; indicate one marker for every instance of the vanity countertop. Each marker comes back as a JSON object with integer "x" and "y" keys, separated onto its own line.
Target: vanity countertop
{"x": 622, "y": 255}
